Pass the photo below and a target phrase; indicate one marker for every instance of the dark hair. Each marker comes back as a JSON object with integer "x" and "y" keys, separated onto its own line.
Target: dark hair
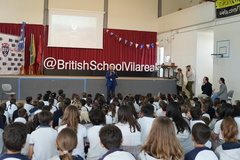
{"x": 149, "y": 95}
{"x": 46, "y": 108}
{"x": 110, "y": 136}
{"x": 89, "y": 101}
{"x": 53, "y": 95}
{"x": 97, "y": 117}
{"x": 174, "y": 96}
{"x": 60, "y": 91}
{"x": 173, "y": 111}
{"x": 51, "y": 102}
{"x": 40, "y": 105}
{"x": 201, "y": 133}
{"x": 83, "y": 102}
{"x": 195, "y": 112}
{"x": 136, "y": 97}
{"x": 22, "y": 112}
{"x": 30, "y": 127}
{"x": 223, "y": 80}
{"x": 36, "y": 121}
{"x": 226, "y": 110}
{"x": 195, "y": 99}
{"x": 111, "y": 95}
{"x": 45, "y": 117}
{"x": 67, "y": 101}
{"x": 89, "y": 95}
{"x": 112, "y": 108}
{"x": 28, "y": 99}
{"x": 147, "y": 110}
{"x": 45, "y": 97}
{"x": 163, "y": 105}
{"x": 207, "y": 79}
{"x": 216, "y": 101}
{"x": 237, "y": 111}
{"x": 133, "y": 110}
{"x": 151, "y": 100}
{"x": 39, "y": 96}
{"x": 205, "y": 107}
{"x": 14, "y": 136}
{"x": 125, "y": 116}
{"x": 120, "y": 96}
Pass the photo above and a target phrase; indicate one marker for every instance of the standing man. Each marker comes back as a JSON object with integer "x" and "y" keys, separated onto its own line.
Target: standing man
{"x": 190, "y": 77}
{"x": 206, "y": 88}
{"x": 111, "y": 76}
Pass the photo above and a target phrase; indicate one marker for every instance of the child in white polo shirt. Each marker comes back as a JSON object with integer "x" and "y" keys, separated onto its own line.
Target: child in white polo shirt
{"x": 42, "y": 140}
{"x": 111, "y": 139}
{"x": 14, "y": 138}
{"x": 200, "y": 135}
{"x": 146, "y": 121}
{"x": 95, "y": 150}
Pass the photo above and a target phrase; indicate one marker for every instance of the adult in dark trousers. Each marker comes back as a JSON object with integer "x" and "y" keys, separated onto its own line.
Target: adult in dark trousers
{"x": 111, "y": 83}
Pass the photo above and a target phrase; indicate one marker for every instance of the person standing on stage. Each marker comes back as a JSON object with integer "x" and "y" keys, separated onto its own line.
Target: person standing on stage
{"x": 111, "y": 76}
{"x": 190, "y": 77}
{"x": 179, "y": 79}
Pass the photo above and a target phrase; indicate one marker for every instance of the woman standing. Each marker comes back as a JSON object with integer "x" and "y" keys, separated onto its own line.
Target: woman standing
{"x": 222, "y": 93}
{"x": 179, "y": 79}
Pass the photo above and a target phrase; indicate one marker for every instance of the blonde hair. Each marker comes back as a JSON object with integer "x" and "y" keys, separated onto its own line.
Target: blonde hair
{"x": 71, "y": 117}
{"x": 66, "y": 143}
{"x": 229, "y": 129}
{"x": 84, "y": 116}
{"x": 162, "y": 142}
{"x": 78, "y": 104}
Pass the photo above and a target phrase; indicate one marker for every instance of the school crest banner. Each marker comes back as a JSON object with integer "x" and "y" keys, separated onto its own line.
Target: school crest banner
{"x": 11, "y": 59}
{"x": 225, "y": 8}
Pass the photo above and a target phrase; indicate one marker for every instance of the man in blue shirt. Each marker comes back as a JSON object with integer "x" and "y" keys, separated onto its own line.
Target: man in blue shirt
{"x": 111, "y": 76}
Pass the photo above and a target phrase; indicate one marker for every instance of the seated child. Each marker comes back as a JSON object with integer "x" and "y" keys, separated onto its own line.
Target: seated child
{"x": 146, "y": 120}
{"x": 22, "y": 113}
{"x": 162, "y": 110}
{"x": 195, "y": 115}
{"x": 42, "y": 140}
{"x": 95, "y": 150}
{"x": 231, "y": 148}
{"x": 111, "y": 140}
{"x": 200, "y": 135}
{"x": 66, "y": 142}
{"x": 204, "y": 110}
{"x": 14, "y": 138}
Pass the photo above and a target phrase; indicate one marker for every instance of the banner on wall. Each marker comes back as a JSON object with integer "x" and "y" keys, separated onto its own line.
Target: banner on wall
{"x": 225, "y": 8}
{"x": 60, "y": 64}
{"x": 11, "y": 59}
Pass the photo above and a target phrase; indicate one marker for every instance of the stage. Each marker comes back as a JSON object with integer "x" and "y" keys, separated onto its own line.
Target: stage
{"x": 25, "y": 86}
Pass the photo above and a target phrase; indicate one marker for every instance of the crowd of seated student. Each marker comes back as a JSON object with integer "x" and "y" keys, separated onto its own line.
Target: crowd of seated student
{"x": 201, "y": 124}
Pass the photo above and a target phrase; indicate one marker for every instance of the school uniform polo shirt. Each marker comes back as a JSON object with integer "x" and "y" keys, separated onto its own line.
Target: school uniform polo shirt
{"x": 17, "y": 156}
{"x": 200, "y": 153}
{"x": 117, "y": 154}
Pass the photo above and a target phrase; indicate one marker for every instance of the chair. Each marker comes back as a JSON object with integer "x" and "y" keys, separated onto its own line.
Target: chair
{"x": 230, "y": 95}
{"x": 6, "y": 89}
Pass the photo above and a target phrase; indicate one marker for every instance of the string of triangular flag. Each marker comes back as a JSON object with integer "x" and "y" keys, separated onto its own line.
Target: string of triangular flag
{"x": 158, "y": 43}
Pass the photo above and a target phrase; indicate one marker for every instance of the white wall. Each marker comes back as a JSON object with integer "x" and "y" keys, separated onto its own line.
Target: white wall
{"x": 228, "y": 68}
{"x": 90, "y": 5}
{"x": 182, "y": 49}
{"x": 195, "y": 15}
{"x": 194, "y": 48}
{"x": 15, "y": 11}
{"x": 170, "y": 6}
{"x": 204, "y": 60}
{"x": 133, "y": 14}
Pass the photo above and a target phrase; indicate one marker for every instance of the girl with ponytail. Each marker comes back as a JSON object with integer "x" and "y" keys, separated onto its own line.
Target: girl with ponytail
{"x": 66, "y": 142}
